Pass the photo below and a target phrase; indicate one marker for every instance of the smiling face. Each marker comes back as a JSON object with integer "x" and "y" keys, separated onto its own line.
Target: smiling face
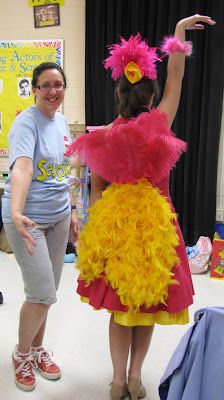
{"x": 48, "y": 101}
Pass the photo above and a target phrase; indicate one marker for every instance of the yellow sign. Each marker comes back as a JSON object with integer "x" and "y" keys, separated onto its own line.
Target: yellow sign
{"x": 42, "y": 2}
{"x": 17, "y": 62}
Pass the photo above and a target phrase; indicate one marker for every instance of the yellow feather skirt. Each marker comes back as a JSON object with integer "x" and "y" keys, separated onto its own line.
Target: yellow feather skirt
{"x": 130, "y": 240}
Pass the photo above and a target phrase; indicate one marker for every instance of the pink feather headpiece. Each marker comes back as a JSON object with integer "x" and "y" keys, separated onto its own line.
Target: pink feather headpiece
{"x": 135, "y": 59}
{"x": 134, "y": 53}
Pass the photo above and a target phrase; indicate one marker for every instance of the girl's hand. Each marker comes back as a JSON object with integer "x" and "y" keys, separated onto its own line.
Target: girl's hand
{"x": 74, "y": 225}
{"x": 193, "y": 22}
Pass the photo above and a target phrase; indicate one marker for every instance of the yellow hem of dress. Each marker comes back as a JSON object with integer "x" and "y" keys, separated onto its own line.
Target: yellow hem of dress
{"x": 147, "y": 319}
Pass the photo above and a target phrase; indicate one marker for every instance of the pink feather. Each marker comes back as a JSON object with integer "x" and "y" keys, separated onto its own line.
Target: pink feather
{"x": 172, "y": 44}
{"x": 143, "y": 147}
{"x": 136, "y": 50}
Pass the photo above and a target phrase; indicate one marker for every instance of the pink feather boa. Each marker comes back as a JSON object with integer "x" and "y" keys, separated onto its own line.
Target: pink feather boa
{"x": 172, "y": 44}
{"x": 143, "y": 147}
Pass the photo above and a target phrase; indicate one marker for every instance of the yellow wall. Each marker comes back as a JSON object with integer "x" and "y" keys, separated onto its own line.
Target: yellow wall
{"x": 17, "y": 22}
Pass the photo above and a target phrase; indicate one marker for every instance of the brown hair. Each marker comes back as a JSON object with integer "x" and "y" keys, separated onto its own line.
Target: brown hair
{"x": 133, "y": 99}
{"x": 43, "y": 67}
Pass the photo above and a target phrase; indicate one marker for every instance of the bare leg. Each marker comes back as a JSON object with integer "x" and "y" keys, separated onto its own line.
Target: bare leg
{"x": 32, "y": 323}
{"x": 38, "y": 340}
{"x": 120, "y": 340}
{"x": 141, "y": 338}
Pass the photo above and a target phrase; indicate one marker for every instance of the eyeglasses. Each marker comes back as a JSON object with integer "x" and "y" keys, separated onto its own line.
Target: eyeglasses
{"x": 46, "y": 87}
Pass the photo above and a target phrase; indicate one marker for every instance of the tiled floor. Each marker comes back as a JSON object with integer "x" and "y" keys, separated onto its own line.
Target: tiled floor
{"x": 78, "y": 337}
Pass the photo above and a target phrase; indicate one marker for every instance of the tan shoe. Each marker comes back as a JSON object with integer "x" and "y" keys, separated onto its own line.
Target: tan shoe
{"x": 136, "y": 389}
{"x": 118, "y": 392}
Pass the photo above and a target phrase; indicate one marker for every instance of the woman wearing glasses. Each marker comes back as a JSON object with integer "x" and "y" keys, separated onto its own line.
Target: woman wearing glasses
{"x": 37, "y": 214}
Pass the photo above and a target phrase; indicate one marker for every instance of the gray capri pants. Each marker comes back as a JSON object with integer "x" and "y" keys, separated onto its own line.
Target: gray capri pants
{"x": 42, "y": 271}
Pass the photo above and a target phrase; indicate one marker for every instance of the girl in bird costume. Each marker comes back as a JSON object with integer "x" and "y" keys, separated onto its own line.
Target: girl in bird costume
{"x": 131, "y": 254}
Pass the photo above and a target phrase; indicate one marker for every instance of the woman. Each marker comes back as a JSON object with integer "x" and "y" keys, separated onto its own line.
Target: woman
{"x": 131, "y": 253}
{"x": 37, "y": 215}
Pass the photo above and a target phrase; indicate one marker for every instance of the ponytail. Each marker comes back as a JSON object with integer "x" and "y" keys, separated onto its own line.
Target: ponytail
{"x": 133, "y": 99}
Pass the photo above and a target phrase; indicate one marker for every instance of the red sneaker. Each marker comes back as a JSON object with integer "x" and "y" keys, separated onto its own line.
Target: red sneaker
{"x": 47, "y": 368}
{"x": 24, "y": 376}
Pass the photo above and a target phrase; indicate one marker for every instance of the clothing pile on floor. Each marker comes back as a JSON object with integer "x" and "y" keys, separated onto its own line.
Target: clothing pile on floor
{"x": 199, "y": 255}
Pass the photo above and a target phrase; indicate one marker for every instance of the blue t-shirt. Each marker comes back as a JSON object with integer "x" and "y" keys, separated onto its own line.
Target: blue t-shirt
{"x": 43, "y": 140}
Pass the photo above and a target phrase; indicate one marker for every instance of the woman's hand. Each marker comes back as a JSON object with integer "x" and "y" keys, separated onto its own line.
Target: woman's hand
{"x": 22, "y": 223}
{"x": 193, "y": 22}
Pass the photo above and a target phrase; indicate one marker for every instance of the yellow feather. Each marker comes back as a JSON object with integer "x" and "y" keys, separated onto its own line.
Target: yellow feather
{"x": 131, "y": 240}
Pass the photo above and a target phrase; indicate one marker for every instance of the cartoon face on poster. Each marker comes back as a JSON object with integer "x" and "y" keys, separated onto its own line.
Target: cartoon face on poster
{"x": 18, "y": 59}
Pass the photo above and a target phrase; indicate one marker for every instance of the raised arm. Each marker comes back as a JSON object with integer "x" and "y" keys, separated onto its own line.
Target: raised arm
{"x": 176, "y": 63}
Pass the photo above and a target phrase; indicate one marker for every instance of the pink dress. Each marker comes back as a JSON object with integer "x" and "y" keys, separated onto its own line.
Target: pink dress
{"x": 131, "y": 150}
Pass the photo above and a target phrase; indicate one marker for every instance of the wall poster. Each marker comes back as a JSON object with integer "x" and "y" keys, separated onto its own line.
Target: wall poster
{"x": 18, "y": 58}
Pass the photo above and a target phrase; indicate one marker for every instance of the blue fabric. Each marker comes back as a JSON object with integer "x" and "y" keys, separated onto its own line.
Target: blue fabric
{"x": 195, "y": 371}
{"x": 42, "y": 139}
{"x": 219, "y": 228}
{"x": 192, "y": 251}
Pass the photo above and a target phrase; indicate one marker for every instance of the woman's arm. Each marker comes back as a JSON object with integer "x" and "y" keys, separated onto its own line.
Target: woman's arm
{"x": 97, "y": 187}
{"x": 176, "y": 63}
{"x": 21, "y": 178}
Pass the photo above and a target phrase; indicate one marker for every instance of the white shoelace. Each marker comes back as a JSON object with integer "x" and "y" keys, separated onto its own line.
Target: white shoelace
{"x": 44, "y": 355}
{"x": 26, "y": 365}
